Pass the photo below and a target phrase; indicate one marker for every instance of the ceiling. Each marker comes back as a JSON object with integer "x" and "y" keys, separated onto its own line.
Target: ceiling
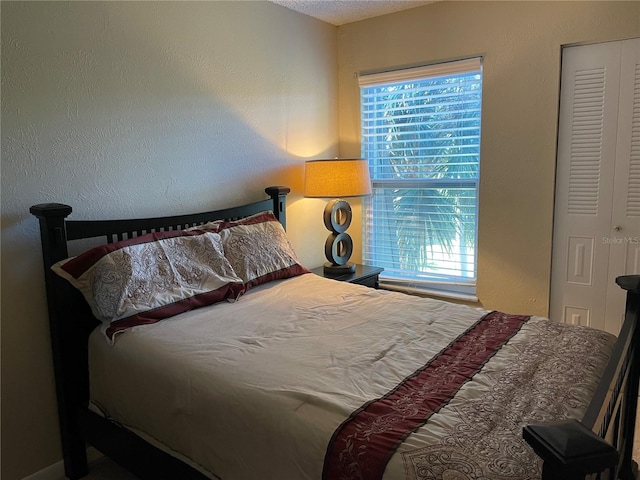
{"x": 339, "y": 12}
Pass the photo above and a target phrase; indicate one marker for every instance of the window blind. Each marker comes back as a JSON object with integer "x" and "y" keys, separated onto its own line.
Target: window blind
{"x": 421, "y": 136}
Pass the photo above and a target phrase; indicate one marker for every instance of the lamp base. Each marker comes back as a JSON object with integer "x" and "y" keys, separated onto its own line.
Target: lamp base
{"x": 337, "y": 270}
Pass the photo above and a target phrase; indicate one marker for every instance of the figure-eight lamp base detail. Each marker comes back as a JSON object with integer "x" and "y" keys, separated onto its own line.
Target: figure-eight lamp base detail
{"x": 336, "y": 270}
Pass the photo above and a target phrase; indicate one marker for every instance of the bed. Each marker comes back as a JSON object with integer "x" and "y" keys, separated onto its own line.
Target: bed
{"x": 270, "y": 371}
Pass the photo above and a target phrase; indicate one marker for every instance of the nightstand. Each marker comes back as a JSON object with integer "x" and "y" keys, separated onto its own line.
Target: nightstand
{"x": 364, "y": 275}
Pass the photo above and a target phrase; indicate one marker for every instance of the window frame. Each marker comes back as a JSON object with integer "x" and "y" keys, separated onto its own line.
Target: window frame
{"x": 460, "y": 287}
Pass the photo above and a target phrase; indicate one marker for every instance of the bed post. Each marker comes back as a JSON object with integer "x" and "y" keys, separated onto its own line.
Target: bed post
{"x": 631, "y": 283}
{"x": 570, "y": 451}
{"x": 278, "y": 194}
{"x": 68, "y": 390}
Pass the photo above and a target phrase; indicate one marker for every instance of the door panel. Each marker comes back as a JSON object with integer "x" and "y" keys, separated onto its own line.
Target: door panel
{"x": 625, "y": 217}
{"x": 577, "y": 316}
{"x": 580, "y": 261}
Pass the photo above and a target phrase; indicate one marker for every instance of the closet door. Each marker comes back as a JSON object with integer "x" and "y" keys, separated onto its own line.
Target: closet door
{"x": 624, "y": 256}
{"x": 597, "y": 206}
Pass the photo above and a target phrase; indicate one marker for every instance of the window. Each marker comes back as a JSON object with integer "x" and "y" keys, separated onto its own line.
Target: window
{"x": 421, "y": 137}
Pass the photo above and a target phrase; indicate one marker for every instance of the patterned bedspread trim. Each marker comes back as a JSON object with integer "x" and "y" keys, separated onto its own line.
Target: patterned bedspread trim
{"x": 361, "y": 447}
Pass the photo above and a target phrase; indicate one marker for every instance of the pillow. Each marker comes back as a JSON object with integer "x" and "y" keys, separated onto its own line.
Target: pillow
{"x": 258, "y": 249}
{"x": 145, "y": 279}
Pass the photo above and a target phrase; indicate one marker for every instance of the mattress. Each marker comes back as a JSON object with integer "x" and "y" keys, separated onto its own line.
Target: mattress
{"x": 278, "y": 385}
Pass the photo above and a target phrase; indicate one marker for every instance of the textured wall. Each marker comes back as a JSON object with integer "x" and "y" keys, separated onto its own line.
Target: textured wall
{"x": 521, "y": 44}
{"x": 136, "y": 109}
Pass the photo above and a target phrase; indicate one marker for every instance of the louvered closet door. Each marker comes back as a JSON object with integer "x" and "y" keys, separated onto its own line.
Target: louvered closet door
{"x": 597, "y": 210}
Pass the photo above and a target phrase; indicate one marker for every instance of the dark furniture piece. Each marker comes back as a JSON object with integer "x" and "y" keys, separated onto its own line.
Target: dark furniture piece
{"x": 364, "y": 275}
{"x": 71, "y": 322}
{"x": 569, "y": 450}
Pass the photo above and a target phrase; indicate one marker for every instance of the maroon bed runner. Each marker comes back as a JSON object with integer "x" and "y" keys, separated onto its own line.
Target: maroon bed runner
{"x": 361, "y": 447}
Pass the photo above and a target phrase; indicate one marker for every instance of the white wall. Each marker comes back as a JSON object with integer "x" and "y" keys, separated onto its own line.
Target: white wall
{"x": 143, "y": 109}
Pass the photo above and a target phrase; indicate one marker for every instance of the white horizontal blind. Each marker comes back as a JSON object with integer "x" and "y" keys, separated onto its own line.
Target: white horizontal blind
{"x": 421, "y": 136}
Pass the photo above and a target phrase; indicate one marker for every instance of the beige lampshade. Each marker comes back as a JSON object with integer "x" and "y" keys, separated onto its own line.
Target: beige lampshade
{"x": 336, "y": 178}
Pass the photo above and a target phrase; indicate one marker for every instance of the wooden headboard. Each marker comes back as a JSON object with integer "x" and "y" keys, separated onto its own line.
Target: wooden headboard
{"x": 70, "y": 318}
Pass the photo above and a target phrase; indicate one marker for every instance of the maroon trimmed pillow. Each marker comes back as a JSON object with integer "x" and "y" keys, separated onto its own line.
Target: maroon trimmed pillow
{"x": 258, "y": 249}
{"x": 145, "y": 279}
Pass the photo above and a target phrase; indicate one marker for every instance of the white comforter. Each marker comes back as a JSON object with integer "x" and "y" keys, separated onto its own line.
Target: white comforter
{"x": 255, "y": 389}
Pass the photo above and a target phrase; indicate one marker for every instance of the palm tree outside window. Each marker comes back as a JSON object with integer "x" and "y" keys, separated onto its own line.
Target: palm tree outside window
{"x": 421, "y": 137}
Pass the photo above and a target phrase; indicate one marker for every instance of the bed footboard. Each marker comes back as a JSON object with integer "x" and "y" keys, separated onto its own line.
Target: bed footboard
{"x": 601, "y": 445}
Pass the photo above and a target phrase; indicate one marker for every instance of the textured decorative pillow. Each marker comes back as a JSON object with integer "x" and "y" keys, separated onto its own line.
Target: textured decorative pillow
{"x": 258, "y": 249}
{"x": 145, "y": 279}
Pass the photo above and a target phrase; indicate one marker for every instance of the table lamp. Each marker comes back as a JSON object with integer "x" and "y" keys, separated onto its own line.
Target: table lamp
{"x": 337, "y": 179}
